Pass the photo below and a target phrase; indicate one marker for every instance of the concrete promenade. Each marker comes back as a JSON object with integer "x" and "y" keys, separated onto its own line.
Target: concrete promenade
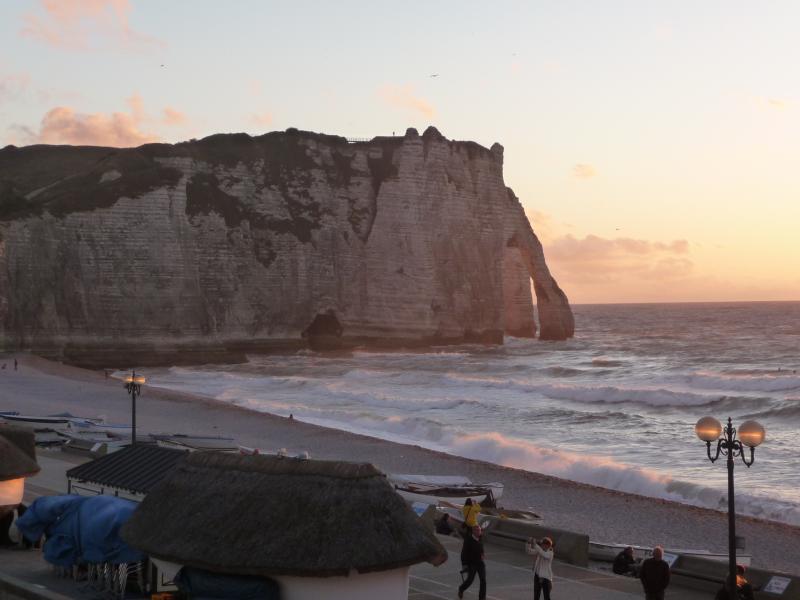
{"x": 508, "y": 571}
{"x": 509, "y": 577}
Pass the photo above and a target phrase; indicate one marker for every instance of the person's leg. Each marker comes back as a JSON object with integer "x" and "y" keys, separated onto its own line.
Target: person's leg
{"x": 537, "y": 587}
{"x": 546, "y": 587}
{"x": 472, "y": 569}
{"x": 482, "y": 576}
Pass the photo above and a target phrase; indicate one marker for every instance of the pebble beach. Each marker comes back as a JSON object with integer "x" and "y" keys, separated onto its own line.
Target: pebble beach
{"x": 42, "y": 387}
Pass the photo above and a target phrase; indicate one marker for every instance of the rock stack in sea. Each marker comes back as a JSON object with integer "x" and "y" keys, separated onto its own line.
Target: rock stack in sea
{"x": 203, "y": 249}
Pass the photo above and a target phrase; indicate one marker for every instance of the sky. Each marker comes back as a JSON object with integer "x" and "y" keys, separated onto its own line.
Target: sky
{"x": 654, "y": 145}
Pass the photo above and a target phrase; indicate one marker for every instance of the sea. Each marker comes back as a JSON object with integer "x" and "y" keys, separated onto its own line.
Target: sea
{"x": 613, "y": 407}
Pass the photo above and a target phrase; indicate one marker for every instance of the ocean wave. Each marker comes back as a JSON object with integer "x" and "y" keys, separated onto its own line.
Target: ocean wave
{"x": 772, "y": 382}
{"x": 610, "y": 474}
{"x": 656, "y": 397}
{"x": 606, "y": 362}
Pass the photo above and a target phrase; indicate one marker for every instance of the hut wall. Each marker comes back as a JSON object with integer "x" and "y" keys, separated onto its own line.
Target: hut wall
{"x": 386, "y": 585}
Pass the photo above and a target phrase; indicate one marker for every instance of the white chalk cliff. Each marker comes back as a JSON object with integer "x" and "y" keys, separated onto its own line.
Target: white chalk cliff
{"x": 235, "y": 243}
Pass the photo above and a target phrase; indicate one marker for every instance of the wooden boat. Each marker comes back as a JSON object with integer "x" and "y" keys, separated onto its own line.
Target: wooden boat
{"x": 282, "y": 452}
{"x": 92, "y": 443}
{"x": 488, "y": 515}
{"x": 31, "y": 422}
{"x": 435, "y": 489}
{"x": 91, "y": 426}
{"x": 607, "y": 552}
{"x": 195, "y": 442}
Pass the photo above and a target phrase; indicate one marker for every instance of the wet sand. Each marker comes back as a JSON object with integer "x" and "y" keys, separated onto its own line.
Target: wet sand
{"x": 43, "y": 387}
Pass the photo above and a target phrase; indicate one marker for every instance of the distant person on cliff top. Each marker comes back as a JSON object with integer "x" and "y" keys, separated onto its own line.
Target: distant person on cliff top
{"x": 542, "y": 566}
{"x": 744, "y": 590}
{"x": 472, "y": 557}
{"x": 470, "y": 510}
{"x": 654, "y": 574}
{"x": 624, "y": 563}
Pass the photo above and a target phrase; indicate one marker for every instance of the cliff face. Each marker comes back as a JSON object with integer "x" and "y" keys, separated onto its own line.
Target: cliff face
{"x": 233, "y": 243}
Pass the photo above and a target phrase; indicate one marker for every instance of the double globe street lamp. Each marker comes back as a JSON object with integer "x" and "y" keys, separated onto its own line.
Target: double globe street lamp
{"x": 751, "y": 434}
{"x": 133, "y": 384}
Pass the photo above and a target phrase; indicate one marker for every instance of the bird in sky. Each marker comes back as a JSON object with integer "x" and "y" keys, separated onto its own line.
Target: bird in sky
{"x": 435, "y": 75}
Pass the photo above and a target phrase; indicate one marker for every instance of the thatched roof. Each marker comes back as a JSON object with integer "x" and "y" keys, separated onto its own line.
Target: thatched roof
{"x": 263, "y": 515}
{"x": 17, "y": 453}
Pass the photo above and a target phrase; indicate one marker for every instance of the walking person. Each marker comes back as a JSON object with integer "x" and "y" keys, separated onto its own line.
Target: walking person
{"x": 542, "y": 566}
{"x": 654, "y": 574}
{"x": 470, "y": 510}
{"x": 472, "y": 557}
{"x": 744, "y": 591}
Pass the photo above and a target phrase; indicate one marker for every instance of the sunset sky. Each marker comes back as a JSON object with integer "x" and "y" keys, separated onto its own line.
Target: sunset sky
{"x": 655, "y": 146}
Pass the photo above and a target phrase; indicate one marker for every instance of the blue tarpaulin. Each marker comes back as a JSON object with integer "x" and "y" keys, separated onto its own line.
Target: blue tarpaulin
{"x": 80, "y": 529}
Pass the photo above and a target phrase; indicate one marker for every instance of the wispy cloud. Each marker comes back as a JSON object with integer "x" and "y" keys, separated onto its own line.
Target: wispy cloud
{"x": 595, "y": 259}
{"x": 261, "y": 119}
{"x": 84, "y": 25}
{"x": 773, "y": 103}
{"x": 583, "y": 171}
{"x": 405, "y": 97}
{"x": 173, "y": 117}
{"x": 13, "y": 85}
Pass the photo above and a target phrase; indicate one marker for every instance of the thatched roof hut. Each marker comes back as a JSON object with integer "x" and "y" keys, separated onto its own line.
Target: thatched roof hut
{"x": 270, "y": 516}
{"x": 18, "y": 453}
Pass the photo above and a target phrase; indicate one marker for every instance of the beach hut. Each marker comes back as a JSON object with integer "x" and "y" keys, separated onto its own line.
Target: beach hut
{"x": 17, "y": 461}
{"x": 321, "y": 529}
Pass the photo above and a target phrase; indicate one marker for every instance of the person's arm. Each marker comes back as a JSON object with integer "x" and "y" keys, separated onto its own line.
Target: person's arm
{"x": 666, "y": 580}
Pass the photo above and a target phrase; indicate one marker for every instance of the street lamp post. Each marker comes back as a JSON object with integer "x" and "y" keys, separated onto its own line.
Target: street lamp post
{"x": 751, "y": 434}
{"x": 133, "y": 383}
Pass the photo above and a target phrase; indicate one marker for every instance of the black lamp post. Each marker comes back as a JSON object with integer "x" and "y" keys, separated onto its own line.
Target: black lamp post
{"x": 751, "y": 434}
{"x": 133, "y": 383}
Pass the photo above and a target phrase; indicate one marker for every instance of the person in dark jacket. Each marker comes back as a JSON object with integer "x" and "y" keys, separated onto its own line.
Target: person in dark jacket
{"x": 624, "y": 563}
{"x": 443, "y": 525}
{"x": 743, "y": 588}
{"x": 654, "y": 574}
{"x": 472, "y": 556}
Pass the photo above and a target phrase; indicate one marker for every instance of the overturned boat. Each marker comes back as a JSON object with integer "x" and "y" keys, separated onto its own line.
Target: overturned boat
{"x": 436, "y": 489}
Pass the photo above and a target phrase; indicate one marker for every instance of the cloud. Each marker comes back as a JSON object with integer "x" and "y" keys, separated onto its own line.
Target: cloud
{"x": 13, "y": 86}
{"x": 173, "y": 117}
{"x": 262, "y": 119}
{"x": 62, "y": 125}
{"x": 84, "y": 24}
{"x": 594, "y": 259}
{"x": 65, "y": 125}
{"x": 773, "y": 103}
{"x": 405, "y": 98}
{"x": 583, "y": 171}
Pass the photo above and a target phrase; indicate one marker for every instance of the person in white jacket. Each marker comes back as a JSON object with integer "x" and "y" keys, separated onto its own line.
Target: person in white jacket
{"x": 542, "y": 566}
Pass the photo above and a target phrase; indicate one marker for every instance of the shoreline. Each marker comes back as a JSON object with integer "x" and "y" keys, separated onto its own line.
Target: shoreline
{"x": 606, "y": 515}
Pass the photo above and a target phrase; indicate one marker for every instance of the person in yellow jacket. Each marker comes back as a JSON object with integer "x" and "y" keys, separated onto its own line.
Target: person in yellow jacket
{"x": 471, "y": 510}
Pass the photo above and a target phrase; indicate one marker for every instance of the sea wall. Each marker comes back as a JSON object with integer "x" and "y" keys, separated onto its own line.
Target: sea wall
{"x": 233, "y": 243}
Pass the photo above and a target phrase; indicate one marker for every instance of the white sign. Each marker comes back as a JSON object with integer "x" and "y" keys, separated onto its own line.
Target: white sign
{"x": 670, "y": 558}
{"x": 776, "y": 585}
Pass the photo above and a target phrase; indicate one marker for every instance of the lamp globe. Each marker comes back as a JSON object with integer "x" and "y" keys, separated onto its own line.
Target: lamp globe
{"x": 708, "y": 429}
{"x": 751, "y": 433}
